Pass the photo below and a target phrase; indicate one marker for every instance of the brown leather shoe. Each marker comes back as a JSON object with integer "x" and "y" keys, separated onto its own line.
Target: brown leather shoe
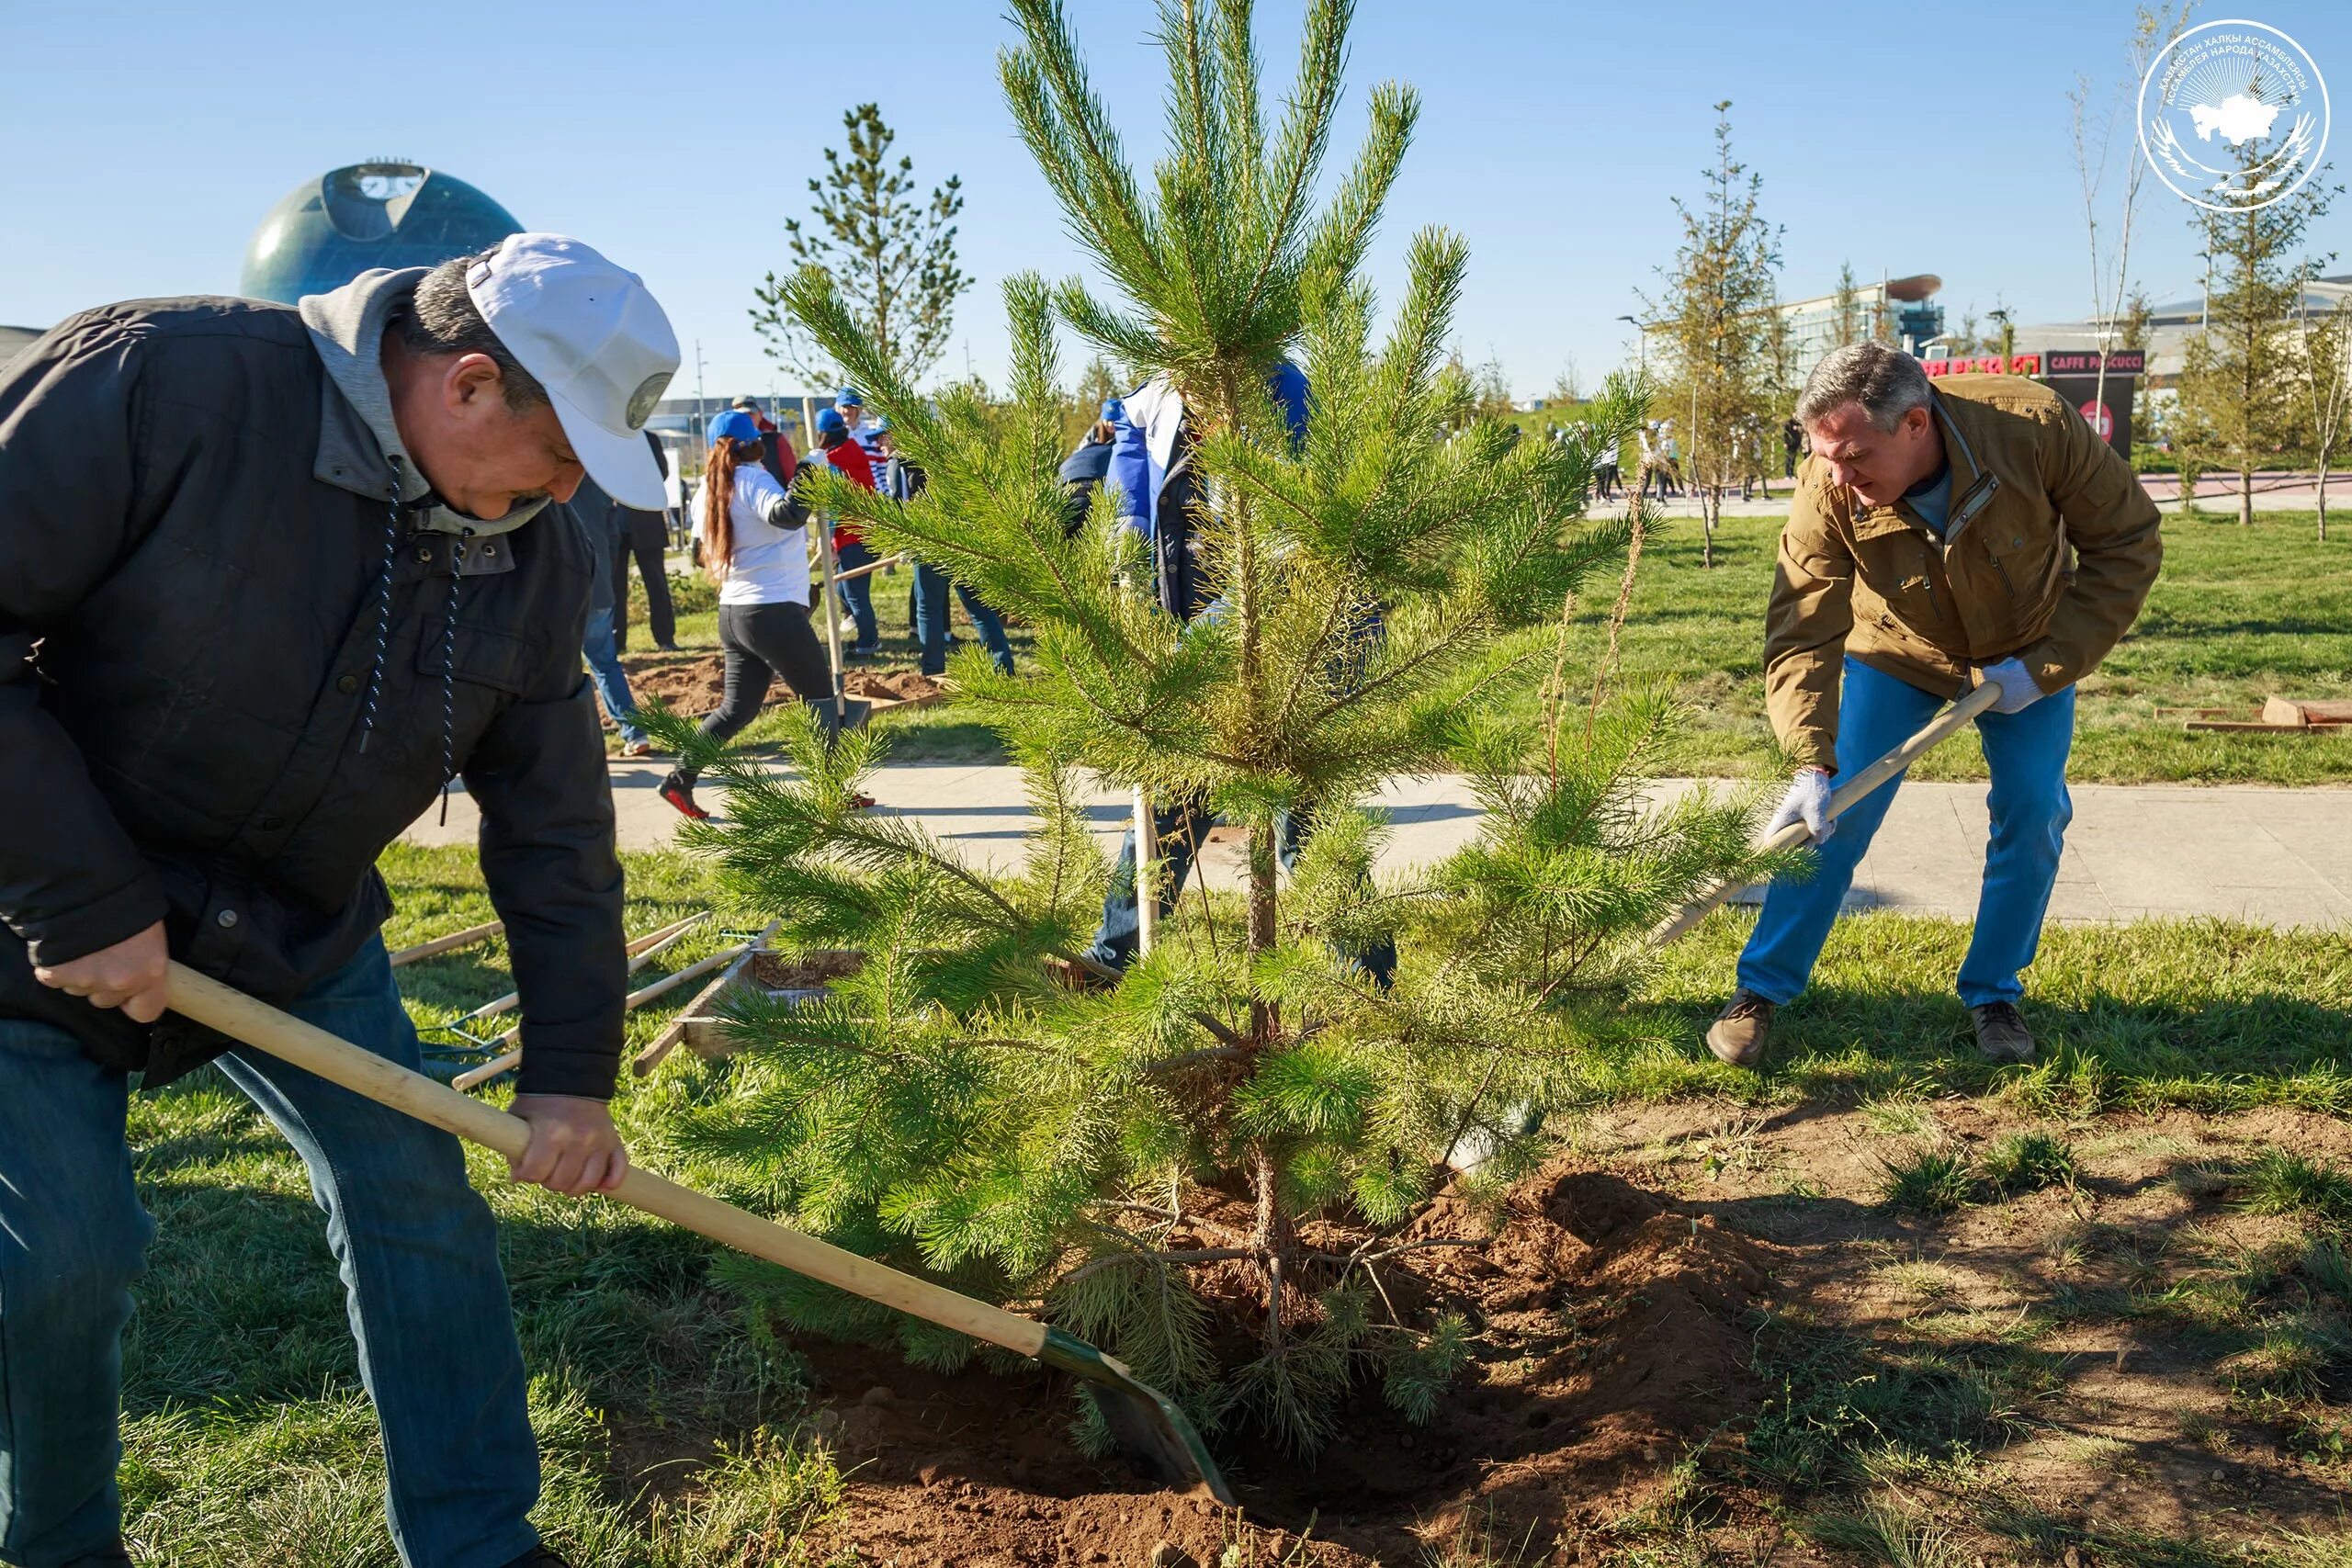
{"x": 2001, "y": 1034}
{"x": 1739, "y": 1035}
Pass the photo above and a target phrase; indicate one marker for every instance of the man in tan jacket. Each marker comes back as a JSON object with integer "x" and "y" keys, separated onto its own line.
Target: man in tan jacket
{"x": 1944, "y": 535}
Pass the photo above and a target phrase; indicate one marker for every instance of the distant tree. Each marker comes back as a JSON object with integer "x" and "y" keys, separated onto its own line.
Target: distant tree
{"x": 2241, "y": 386}
{"x": 1566, "y": 388}
{"x": 1847, "y": 323}
{"x": 2326, "y": 347}
{"x": 1097, "y": 383}
{"x": 1716, "y": 320}
{"x": 2133, "y": 327}
{"x": 891, "y": 255}
{"x": 2094, "y": 121}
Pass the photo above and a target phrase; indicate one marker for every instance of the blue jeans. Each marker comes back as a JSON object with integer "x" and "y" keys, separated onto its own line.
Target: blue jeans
{"x": 1181, "y": 829}
{"x": 931, "y": 621}
{"x": 612, "y": 682}
{"x": 2026, "y": 753}
{"x": 858, "y": 596}
{"x": 417, "y": 1247}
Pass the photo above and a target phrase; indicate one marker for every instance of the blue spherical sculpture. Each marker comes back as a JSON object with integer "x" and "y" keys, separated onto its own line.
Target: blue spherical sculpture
{"x": 329, "y": 230}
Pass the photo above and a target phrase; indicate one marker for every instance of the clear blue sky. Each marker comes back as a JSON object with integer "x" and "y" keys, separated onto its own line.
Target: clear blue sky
{"x": 143, "y": 142}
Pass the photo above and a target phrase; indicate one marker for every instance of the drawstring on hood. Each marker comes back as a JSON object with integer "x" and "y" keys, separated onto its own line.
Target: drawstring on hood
{"x": 346, "y": 328}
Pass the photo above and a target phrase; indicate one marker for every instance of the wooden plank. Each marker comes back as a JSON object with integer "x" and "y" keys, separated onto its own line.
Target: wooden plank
{"x": 669, "y": 1038}
{"x": 450, "y": 943}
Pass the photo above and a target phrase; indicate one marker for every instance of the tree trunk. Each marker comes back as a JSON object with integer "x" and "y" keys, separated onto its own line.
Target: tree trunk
{"x": 2322, "y": 495}
{"x": 1273, "y": 1237}
{"x": 1711, "y": 504}
{"x": 2245, "y": 498}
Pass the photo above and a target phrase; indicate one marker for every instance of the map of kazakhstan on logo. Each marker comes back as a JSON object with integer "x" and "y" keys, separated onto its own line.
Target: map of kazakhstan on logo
{"x": 2234, "y": 116}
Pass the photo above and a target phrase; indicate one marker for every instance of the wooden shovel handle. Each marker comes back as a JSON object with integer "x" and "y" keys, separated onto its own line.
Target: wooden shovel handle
{"x": 1944, "y": 724}
{"x": 338, "y": 1061}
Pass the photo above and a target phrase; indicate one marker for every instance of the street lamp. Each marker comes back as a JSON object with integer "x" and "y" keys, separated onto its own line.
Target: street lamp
{"x": 1642, "y": 338}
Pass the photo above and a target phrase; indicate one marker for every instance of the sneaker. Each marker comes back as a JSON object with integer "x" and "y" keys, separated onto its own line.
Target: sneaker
{"x": 681, "y": 793}
{"x": 2001, "y": 1034}
{"x": 1739, "y": 1035}
{"x": 638, "y": 748}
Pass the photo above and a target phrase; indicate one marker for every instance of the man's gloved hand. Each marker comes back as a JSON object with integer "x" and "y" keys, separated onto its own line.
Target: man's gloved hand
{"x": 1806, "y": 802}
{"x": 2018, "y": 691}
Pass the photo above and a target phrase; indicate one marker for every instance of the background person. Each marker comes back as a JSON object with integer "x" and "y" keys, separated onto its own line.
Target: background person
{"x": 597, "y": 646}
{"x": 1927, "y": 550}
{"x": 850, "y": 552}
{"x": 903, "y": 481}
{"x": 755, "y": 547}
{"x": 640, "y": 534}
{"x": 305, "y": 600}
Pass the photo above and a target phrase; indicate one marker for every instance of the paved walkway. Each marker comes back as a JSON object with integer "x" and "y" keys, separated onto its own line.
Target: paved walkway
{"x": 2274, "y": 490}
{"x": 2279, "y": 857}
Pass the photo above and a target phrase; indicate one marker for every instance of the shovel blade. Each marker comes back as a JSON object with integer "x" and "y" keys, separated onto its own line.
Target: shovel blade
{"x": 1145, "y": 1424}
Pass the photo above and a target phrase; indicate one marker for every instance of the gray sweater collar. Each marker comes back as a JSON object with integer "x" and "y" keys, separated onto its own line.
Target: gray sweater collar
{"x": 359, "y": 443}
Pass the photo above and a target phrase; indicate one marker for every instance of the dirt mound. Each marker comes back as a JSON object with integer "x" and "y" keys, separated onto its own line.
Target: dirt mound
{"x": 803, "y": 971}
{"x": 689, "y": 683}
{"x": 1610, "y": 1340}
{"x": 891, "y": 685}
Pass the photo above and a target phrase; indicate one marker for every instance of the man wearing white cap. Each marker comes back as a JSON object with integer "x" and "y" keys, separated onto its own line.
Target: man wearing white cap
{"x": 270, "y": 579}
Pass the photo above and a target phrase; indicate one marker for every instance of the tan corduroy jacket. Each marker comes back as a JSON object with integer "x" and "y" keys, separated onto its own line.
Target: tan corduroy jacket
{"x": 2052, "y": 568}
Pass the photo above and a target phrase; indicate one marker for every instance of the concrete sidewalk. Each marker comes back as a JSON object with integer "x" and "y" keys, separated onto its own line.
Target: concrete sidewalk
{"x": 2279, "y": 857}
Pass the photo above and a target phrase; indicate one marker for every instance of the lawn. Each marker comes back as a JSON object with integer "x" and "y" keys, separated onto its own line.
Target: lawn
{"x": 2088, "y": 1309}
{"x": 2238, "y": 615}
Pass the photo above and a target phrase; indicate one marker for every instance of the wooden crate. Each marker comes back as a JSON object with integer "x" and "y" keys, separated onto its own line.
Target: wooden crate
{"x": 706, "y": 1031}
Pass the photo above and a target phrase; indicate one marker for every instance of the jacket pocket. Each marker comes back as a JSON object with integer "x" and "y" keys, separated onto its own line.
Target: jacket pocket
{"x": 479, "y": 655}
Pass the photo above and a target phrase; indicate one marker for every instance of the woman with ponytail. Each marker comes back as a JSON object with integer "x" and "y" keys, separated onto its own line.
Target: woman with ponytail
{"x": 755, "y": 543}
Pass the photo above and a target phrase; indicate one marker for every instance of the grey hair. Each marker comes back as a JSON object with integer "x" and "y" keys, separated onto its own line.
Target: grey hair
{"x": 440, "y": 318}
{"x": 1886, "y": 382}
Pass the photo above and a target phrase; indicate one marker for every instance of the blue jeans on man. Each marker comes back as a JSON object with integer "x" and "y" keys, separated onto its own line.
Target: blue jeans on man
{"x": 417, "y": 1248}
{"x": 931, "y": 621}
{"x": 598, "y": 648}
{"x": 2026, "y": 753}
{"x": 1181, "y": 829}
{"x": 857, "y": 596}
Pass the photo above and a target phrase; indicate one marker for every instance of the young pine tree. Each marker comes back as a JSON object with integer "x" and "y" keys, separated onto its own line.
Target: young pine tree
{"x": 1206, "y": 1161}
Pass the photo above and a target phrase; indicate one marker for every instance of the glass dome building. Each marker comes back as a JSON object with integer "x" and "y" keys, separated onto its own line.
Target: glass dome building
{"x": 329, "y": 230}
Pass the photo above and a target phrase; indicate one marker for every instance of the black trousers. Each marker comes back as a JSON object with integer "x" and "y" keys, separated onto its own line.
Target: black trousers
{"x": 760, "y": 642}
{"x": 646, "y": 538}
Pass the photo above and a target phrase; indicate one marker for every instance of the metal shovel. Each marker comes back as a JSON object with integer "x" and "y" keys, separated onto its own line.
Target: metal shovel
{"x": 1145, "y": 1424}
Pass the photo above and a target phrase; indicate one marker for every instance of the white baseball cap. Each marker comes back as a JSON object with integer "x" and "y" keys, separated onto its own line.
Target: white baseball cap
{"x": 592, "y": 336}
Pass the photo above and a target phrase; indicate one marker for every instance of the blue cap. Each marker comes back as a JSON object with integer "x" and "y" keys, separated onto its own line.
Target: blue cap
{"x": 1113, "y": 410}
{"x": 737, "y": 423}
{"x": 879, "y": 423}
{"x": 831, "y": 420}
{"x": 847, "y": 397}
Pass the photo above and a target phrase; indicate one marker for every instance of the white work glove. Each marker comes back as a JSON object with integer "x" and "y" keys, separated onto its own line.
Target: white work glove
{"x": 2018, "y": 691}
{"x": 1806, "y": 802}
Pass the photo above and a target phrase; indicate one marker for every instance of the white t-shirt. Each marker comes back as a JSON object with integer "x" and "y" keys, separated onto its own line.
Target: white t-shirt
{"x": 770, "y": 564}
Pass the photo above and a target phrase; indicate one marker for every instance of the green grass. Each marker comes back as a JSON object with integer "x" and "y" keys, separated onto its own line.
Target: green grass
{"x": 2238, "y": 614}
{"x": 2280, "y": 1181}
{"x": 672, "y": 1427}
{"x": 2027, "y": 1162}
{"x": 1935, "y": 1181}
{"x": 669, "y": 1429}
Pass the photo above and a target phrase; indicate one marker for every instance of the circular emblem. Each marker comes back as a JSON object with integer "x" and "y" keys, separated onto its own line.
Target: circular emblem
{"x": 2101, "y": 418}
{"x": 648, "y": 393}
{"x": 2233, "y": 116}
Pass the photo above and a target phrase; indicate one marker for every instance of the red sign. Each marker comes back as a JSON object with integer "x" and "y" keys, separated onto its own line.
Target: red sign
{"x": 2101, "y": 418}
{"x": 1986, "y": 365}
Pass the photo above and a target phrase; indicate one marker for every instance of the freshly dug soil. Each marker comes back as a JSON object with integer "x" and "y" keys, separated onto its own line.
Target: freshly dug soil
{"x": 1608, "y": 1340}
{"x": 691, "y": 682}
{"x": 891, "y": 685}
{"x": 803, "y": 971}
